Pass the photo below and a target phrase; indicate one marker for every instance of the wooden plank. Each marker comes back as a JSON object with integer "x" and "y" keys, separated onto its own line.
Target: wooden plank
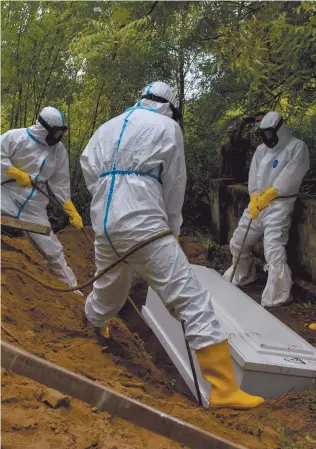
{"x": 25, "y": 225}
{"x": 108, "y": 400}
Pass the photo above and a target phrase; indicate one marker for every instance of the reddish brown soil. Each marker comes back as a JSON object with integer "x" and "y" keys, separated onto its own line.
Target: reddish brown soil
{"x": 49, "y": 324}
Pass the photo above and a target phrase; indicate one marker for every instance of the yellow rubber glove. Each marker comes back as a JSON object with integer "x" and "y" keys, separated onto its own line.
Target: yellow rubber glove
{"x": 253, "y": 204}
{"x": 71, "y": 211}
{"x": 263, "y": 201}
{"x": 103, "y": 334}
{"x": 21, "y": 178}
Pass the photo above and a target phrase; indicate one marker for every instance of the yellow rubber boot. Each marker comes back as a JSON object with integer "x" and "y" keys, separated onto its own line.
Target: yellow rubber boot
{"x": 217, "y": 368}
{"x": 103, "y": 334}
{"x": 106, "y": 332}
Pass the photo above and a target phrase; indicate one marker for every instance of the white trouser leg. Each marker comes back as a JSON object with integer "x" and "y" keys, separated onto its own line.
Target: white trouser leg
{"x": 53, "y": 253}
{"x": 279, "y": 283}
{"x": 111, "y": 290}
{"x": 166, "y": 269}
{"x": 48, "y": 245}
{"x": 245, "y": 272}
{"x": 7, "y": 205}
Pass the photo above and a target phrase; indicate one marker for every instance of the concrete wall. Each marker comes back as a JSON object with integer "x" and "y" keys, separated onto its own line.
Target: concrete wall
{"x": 302, "y": 241}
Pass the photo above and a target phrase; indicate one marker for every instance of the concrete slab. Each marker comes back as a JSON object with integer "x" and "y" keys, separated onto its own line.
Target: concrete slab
{"x": 269, "y": 358}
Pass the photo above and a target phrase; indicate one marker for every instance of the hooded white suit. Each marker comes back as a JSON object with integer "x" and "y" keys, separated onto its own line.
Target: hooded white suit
{"x": 282, "y": 167}
{"x": 134, "y": 167}
{"x": 27, "y": 150}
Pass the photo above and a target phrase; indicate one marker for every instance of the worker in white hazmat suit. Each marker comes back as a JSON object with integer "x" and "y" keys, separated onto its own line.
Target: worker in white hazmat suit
{"x": 37, "y": 153}
{"x": 134, "y": 167}
{"x": 276, "y": 173}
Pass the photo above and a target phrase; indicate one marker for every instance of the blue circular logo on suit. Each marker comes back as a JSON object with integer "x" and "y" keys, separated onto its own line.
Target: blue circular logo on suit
{"x": 275, "y": 163}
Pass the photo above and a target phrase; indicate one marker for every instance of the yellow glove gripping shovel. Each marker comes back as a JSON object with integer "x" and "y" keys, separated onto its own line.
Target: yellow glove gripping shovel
{"x": 53, "y": 200}
{"x": 58, "y": 204}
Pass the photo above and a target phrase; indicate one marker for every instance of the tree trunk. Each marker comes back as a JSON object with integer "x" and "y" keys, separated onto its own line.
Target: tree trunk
{"x": 26, "y": 105}
{"x": 93, "y": 124}
{"x": 69, "y": 128}
{"x": 15, "y": 110}
{"x": 38, "y": 106}
{"x": 20, "y": 106}
{"x": 181, "y": 84}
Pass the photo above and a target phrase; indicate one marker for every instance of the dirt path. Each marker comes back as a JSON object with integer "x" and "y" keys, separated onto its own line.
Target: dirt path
{"x": 49, "y": 325}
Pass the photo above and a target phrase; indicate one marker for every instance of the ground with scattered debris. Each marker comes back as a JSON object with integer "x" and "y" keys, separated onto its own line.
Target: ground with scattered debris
{"x": 49, "y": 324}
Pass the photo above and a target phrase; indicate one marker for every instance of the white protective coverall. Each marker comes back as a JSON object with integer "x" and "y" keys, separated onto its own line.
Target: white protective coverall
{"x": 134, "y": 167}
{"x": 27, "y": 150}
{"x": 282, "y": 167}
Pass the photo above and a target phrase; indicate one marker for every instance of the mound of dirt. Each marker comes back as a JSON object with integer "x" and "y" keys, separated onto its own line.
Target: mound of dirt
{"x": 50, "y": 325}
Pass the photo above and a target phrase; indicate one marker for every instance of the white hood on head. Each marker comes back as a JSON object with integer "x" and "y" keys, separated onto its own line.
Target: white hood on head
{"x": 270, "y": 120}
{"x": 53, "y": 117}
{"x": 160, "y": 89}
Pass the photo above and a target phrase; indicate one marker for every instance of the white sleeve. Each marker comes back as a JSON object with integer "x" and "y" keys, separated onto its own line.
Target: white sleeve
{"x": 59, "y": 182}
{"x": 90, "y": 165}
{"x": 174, "y": 181}
{"x": 8, "y": 146}
{"x": 252, "y": 178}
{"x": 290, "y": 179}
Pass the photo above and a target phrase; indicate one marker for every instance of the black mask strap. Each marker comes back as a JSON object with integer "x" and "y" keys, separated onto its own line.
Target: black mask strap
{"x": 278, "y": 126}
{"x": 177, "y": 116}
{"x": 55, "y": 133}
{"x": 44, "y": 123}
{"x": 48, "y": 127}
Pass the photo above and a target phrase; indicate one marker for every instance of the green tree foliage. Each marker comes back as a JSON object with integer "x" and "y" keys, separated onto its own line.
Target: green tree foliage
{"x": 224, "y": 59}
{"x": 273, "y": 47}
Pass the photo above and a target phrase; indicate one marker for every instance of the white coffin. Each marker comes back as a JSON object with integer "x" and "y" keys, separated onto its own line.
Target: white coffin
{"x": 269, "y": 358}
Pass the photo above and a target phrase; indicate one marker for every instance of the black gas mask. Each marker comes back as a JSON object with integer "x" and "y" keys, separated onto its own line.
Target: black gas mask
{"x": 269, "y": 135}
{"x": 55, "y": 133}
{"x": 176, "y": 114}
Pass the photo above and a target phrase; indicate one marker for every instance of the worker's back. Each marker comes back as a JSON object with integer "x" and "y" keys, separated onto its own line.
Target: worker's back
{"x": 124, "y": 165}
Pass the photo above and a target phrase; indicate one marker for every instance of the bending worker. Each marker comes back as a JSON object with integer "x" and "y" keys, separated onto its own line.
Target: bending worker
{"x": 276, "y": 173}
{"x": 134, "y": 168}
{"x": 37, "y": 153}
